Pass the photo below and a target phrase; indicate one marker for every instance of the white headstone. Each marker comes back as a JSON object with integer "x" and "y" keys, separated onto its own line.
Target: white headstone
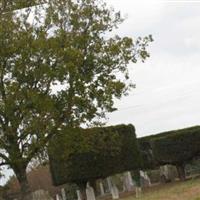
{"x": 58, "y": 197}
{"x": 128, "y": 182}
{"x": 90, "y": 193}
{"x": 101, "y": 188}
{"x": 109, "y": 182}
{"x": 41, "y": 195}
{"x": 115, "y": 192}
{"x": 130, "y": 179}
{"x": 138, "y": 191}
{"x": 142, "y": 173}
{"x": 147, "y": 179}
{"x": 63, "y": 194}
{"x": 78, "y": 194}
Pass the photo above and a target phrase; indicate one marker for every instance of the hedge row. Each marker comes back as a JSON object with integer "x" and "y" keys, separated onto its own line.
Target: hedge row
{"x": 148, "y": 160}
{"x": 81, "y": 155}
{"x": 178, "y": 146}
{"x": 173, "y": 147}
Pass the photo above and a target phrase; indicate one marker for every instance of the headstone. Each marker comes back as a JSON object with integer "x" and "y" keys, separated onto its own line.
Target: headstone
{"x": 138, "y": 192}
{"x": 63, "y": 194}
{"x": 145, "y": 180}
{"x": 109, "y": 182}
{"x": 148, "y": 179}
{"x": 167, "y": 173}
{"x": 90, "y": 193}
{"x": 78, "y": 194}
{"x": 41, "y": 195}
{"x": 113, "y": 188}
{"x": 164, "y": 174}
{"x": 101, "y": 188}
{"x": 58, "y": 197}
{"x": 128, "y": 182}
{"x": 115, "y": 192}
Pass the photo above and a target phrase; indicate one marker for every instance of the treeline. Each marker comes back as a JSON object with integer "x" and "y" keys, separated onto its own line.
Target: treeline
{"x": 84, "y": 155}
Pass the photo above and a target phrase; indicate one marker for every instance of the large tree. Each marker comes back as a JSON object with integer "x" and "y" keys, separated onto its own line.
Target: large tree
{"x": 60, "y": 66}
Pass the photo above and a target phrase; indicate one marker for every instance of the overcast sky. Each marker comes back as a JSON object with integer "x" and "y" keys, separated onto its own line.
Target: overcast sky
{"x": 167, "y": 95}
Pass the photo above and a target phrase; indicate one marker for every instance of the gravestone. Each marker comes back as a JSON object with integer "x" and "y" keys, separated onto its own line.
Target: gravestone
{"x": 63, "y": 194}
{"x": 167, "y": 173}
{"x": 113, "y": 188}
{"x": 41, "y": 195}
{"x": 109, "y": 182}
{"x": 78, "y": 194}
{"x": 128, "y": 182}
{"x": 145, "y": 180}
{"x": 58, "y": 197}
{"x": 138, "y": 192}
{"x": 114, "y": 192}
{"x": 90, "y": 193}
{"x": 101, "y": 188}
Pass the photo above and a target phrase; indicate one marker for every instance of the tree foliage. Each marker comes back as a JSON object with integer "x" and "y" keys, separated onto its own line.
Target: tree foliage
{"x": 58, "y": 68}
{"x": 148, "y": 159}
{"x": 10, "y": 5}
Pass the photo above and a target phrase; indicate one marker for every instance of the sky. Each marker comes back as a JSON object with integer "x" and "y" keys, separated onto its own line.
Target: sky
{"x": 167, "y": 94}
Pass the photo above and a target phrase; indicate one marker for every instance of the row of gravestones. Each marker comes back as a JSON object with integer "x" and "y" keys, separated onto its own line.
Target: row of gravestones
{"x": 129, "y": 185}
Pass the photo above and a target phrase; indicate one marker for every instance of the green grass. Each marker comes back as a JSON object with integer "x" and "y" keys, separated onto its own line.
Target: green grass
{"x": 188, "y": 190}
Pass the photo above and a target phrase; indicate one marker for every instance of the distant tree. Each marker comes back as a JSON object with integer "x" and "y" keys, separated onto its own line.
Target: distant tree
{"x": 63, "y": 44}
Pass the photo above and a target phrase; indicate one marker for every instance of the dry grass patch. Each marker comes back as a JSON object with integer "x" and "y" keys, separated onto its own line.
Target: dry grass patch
{"x": 188, "y": 190}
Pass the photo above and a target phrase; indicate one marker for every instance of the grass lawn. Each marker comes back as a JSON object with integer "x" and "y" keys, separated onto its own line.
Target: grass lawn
{"x": 188, "y": 190}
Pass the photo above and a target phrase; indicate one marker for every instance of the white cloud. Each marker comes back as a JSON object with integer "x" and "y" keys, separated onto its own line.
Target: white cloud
{"x": 140, "y": 14}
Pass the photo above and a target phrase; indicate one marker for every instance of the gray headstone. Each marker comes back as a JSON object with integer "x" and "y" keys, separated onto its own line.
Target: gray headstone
{"x": 115, "y": 192}
{"x": 63, "y": 194}
{"x": 101, "y": 188}
{"x": 138, "y": 191}
{"x": 78, "y": 194}
{"x": 58, "y": 197}
{"x": 41, "y": 195}
{"x": 145, "y": 178}
{"x": 128, "y": 182}
{"x": 109, "y": 182}
{"x": 90, "y": 193}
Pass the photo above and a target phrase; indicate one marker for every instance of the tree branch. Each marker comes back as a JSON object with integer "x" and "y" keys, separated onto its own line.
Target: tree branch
{"x": 5, "y": 158}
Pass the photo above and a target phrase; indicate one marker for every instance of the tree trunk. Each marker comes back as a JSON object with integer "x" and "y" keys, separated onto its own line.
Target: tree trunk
{"x": 181, "y": 171}
{"x": 82, "y": 188}
{"x": 24, "y": 186}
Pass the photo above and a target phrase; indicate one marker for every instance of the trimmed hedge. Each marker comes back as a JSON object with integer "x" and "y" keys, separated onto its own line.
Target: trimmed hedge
{"x": 81, "y": 155}
{"x": 173, "y": 147}
{"x": 148, "y": 161}
{"x": 177, "y": 147}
